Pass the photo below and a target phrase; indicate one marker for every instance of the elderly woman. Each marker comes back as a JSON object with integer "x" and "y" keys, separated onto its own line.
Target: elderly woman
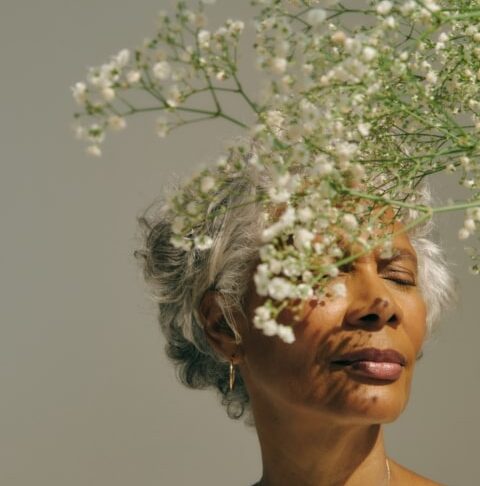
{"x": 318, "y": 404}
{"x": 357, "y": 106}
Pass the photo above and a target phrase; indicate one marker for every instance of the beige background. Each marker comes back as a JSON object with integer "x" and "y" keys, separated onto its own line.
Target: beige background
{"x": 87, "y": 396}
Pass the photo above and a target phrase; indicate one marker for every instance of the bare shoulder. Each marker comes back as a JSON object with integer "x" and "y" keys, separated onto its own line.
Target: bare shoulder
{"x": 404, "y": 476}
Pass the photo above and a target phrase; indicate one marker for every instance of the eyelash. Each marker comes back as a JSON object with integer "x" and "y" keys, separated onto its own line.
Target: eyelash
{"x": 402, "y": 282}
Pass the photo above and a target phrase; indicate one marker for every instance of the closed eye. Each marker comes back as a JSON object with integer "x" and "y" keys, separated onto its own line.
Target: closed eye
{"x": 401, "y": 281}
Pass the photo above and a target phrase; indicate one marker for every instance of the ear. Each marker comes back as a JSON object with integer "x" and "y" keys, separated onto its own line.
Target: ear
{"x": 219, "y": 335}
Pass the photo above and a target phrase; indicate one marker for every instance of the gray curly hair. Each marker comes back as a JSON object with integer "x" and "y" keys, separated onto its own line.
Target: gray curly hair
{"x": 179, "y": 280}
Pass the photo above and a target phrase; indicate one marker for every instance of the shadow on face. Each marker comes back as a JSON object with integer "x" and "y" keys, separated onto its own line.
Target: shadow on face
{"x": 383, "y": 309}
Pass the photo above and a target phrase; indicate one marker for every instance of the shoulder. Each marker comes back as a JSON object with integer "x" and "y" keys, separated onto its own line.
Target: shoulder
{"x": 402, "y": 475}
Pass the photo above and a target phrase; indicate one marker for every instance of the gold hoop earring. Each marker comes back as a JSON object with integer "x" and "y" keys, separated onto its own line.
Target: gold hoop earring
{"x": 232, "y": 376}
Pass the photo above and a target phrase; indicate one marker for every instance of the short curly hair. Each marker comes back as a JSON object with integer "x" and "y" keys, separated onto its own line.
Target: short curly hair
{"x": 179, "y": 279}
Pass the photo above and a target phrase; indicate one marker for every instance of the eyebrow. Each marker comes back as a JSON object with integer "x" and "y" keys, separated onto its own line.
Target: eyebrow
{"x": 399, "y": 253}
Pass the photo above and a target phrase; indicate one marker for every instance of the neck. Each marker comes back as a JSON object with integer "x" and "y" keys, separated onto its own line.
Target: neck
{"x": 310, "y": 450}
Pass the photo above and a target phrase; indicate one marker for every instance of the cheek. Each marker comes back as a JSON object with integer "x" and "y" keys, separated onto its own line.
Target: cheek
{"x": 292, "y": 369}
{"x": 415, "y": 320}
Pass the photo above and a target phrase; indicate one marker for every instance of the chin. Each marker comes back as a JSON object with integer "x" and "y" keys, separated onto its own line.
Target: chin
{"x": 374, "y": 404}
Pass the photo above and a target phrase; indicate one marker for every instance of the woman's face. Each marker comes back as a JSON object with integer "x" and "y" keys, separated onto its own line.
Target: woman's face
{"x": 383, "y": 309}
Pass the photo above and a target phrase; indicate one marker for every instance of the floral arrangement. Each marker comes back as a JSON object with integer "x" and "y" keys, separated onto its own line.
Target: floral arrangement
{"x": 350, "y": 120}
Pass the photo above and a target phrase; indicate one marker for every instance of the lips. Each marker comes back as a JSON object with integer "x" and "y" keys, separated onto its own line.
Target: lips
{"x": 380, "y": 364}
{"x": 372, "y": 354}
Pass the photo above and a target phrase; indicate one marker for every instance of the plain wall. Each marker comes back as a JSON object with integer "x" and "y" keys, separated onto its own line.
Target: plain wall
{"x": 87, "y": 395}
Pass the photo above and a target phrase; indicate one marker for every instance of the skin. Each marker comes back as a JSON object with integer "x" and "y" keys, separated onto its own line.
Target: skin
{"x": 319, "y": 424}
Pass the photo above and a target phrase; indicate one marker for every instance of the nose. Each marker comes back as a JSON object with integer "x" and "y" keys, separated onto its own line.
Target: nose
{"x": 372, "y": 304}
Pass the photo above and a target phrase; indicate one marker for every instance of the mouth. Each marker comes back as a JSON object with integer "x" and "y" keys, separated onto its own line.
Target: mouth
{"x": 378, "y": 364}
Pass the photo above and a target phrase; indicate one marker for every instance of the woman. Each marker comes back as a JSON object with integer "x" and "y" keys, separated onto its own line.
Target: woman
{"x": 318, "y": 404}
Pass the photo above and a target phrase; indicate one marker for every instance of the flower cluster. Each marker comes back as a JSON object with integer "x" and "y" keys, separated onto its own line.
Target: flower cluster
{"x": 349, "y": 122}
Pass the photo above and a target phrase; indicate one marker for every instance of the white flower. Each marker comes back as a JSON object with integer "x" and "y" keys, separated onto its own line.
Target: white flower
{"x": 432, "y": 5}
{"x": 369, "y": 53}
{"x": 269, "y": 327}
{"x": 206, "y": 184}
{"x": 338, "y": 37}
{"x": 408, "y": 7}
{"x": 173, "y": 96}
{"x": 292, "y": 267}
{"x": 345, "y": 151}
{"x": 162, "y": 127}
{"x": 133, "y": 76}
{"x": 79, "y": 91}
{"x": 349, "y": 221}
{"x": 316, "y": 16}
{"x": 279, "y": 288}
{"x": 94, "y": 150}
{"x": 384, "y": 7}
{"x": 275, "y": 266}
{"x": 108, "y": 93}
{"x": 304, "y": 291}
{"x": 263, "y": 313}
{"x": 236, "y": 27}
{"x": 203, "y": 38}
{"x": 117, "y": 122}
{"x": 279, "y": 195}
{"x": 302, "y": 239}
{"x": 278, "y": 65}
{"x": 261, "y": 279}
{"x": 180, "y": 242}
{"x": 203, "y": 242}
{"x": 431, "y": 77}
{"x": 463, "y": 234}
{"x": 162, "y": 70}
{"x": 364, "y": 129}
{"x": 390, "y": 22}
{"x": 285, "y": 333}
{"x": 305, "y": 214}
{"x": 468, "y": 183}
{"x": 122, "y": 58}
{"x": 469, "y": 224}
{"x": 324, "y": 167}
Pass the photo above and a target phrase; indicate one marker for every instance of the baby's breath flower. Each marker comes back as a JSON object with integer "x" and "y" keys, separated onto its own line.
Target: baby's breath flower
{"x": 94, "y": 150}
{"x": 79, "y": 91}
{"x": 331, "y": 136}
{"x": 207, "y": 184}
{"x": 162, "y": 70}
{"x": 203, "y": 242}
{"x": 204, "y": 38}
{"x": 279, "y": 65}
{"x": 303, "y": 239}
{"x": 279, "y": 288}
{"x": 133, "y": 76}
{"x": 350, "y": 222}
{"x": 122, "y": 58}
{"x": 173, "y": 96}
{"x": 117, "y": 122}
{"x": 285, "y": 333}
{"x": 384, "y": 7}
{"x": 316, "y": 16}
{"x": 162, "y": 126}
